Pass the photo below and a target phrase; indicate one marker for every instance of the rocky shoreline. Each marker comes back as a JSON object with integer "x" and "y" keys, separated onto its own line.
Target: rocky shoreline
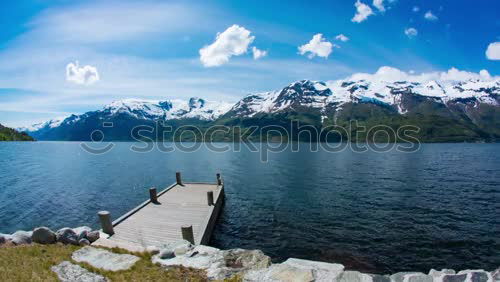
{"x": 254, "y": 265}
{"x": 247, "y": 265}
{"x": 79, "y": 236}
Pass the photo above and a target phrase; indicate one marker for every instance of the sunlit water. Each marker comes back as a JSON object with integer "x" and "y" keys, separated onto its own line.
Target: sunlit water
{"x": 376, "y": 212}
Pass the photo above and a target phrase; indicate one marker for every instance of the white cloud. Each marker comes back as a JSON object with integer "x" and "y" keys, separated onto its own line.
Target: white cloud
{"x": 257, "y": 54}
{"x": 485, "y": 74}
{"x": 363, "y": 11}
{"x": 318, "y": 46}
{"x": 342, "y": 38}
{"x": 85, "y": 75}
{"x": 391, "y": 74}
{"x": 430, "y": 16}
{"x": 415, "y": 9}
{"x": 493, "y": 51}
{"x": 411, "y": 32}
{"x": 379, "y": 4}
{"x": 454, "y": 74}
{"x": 233, "y": 41}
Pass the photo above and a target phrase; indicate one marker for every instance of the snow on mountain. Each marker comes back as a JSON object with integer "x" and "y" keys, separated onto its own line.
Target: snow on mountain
{"x": 386, "y": 86}
{"x": 37, "y": 126}
{"x": 168, "y": 110}
{"x": 302, "y": 93}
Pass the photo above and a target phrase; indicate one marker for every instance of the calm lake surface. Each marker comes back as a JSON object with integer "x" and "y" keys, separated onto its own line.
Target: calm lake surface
{"x": 377, "y": 212}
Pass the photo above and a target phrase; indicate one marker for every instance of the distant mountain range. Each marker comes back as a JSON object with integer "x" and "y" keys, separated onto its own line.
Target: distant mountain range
{"x": 444, "y": 110}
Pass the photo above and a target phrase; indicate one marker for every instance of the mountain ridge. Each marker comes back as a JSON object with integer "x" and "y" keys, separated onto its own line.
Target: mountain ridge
{"x": 468, "y": 101}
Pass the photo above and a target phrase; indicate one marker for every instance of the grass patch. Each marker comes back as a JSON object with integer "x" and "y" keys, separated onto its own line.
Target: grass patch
{"x": 33, "y": 263}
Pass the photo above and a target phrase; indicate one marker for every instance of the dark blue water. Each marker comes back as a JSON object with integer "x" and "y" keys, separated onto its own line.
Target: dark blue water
{"x": 377, "y": 212}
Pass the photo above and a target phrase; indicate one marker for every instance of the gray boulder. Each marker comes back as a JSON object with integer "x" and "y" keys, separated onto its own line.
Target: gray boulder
{"x": 420, "y": 278}
{"x": 478, "y": 275}
{"x": 495, "y": 275}
{"x": 455, "y": 278}
{"x": 175, "y": 249}
{"x": 218, "y": 264}
{"x": 354, "y": 276}
{"x": 68, "y": 272}
{"x": 3, "y": 238}
{"x": 82, "y": 232}
{"x": 400, "y": 276}
{"x": 303, "y": 270}
{"x": 200, "y": 257}
{"x": 284, "y": 272}
{"x": 438, "y": 273}
{"x": 246, "y": 259}
{"x": 67, "y": 236}
{"x": 43, "y": 235}
{"x": 92, "y": 236}
{"x": 21, "y": 238}
{"x": 83, "y": 242}
{"x": 104, "y": 259}
{"x": 182, "y": 248}
{"x": 380, "y": 278}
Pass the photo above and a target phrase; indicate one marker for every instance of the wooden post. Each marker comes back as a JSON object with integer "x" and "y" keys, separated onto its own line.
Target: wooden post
{"x": 106, "y": 224}
{"x": 153, "y": 196}
{"x": 187, "y": 233}
{"x": 210, "y": 198}
{"x": 178, "y": 178}
{"x": 219, "y": 180}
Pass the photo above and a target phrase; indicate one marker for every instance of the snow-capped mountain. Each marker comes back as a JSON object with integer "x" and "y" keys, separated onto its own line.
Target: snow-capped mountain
{"x": 195, "y": 108}
{"x": 46, "y": 124}
{"x": 127, "y": 114}
{"x": 468, "y": 102}
{"x": 333, "y": 94}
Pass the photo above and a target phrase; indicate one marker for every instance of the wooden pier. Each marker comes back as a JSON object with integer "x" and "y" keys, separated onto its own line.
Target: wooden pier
{"x": 181, "y": 211}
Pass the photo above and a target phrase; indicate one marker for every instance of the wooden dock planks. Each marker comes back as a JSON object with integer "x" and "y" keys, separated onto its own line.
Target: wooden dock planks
{"x": 153, "y": 224}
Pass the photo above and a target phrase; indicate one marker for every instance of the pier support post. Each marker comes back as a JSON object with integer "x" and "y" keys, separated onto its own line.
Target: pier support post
{"x": 178, "y": 178}
{"x": 153, "y": 196}
{"x": 219, "y": 179}
{"x": 187, "y": 233}
{"x": 210, "y": 198}
{"x": 106, "y": 224}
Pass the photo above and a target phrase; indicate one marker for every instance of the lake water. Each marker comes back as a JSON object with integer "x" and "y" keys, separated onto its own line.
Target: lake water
{"x": 377, "y": 212}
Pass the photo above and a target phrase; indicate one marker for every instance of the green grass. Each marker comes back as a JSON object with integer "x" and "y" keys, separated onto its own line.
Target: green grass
{"x": 33, "y": 263}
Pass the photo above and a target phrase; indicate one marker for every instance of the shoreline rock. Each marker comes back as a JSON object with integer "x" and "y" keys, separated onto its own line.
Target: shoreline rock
{"x": 43, "y": 235}
{"x": 249, "y": 265}
{"x": 82, "y": 236}
{"x": 21, "y": 238}
{"x": 254, "y": 265}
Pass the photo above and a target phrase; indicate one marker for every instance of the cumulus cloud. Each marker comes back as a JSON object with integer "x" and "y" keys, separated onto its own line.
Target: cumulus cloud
{"x": 411, "y": 32}
{"x": 257, "y": 54}
{"x": 342, "y": 38}
{"x": 430, "y": 16}
{"x": 379, "y": 4}
{"x": 318, "y": 46}
{"x": 390, "y": 74}
{"x": 363, "y": 11}
{"x": 493, "y": 51}
{"x": 234, "y": 41}
{"x": 84, "y": 75}
{"x": 454, "y": 74}
{"x": 415, "y": 9}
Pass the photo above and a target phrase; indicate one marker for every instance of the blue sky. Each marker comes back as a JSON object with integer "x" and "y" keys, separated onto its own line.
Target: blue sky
{"x": 153, "y": 49}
